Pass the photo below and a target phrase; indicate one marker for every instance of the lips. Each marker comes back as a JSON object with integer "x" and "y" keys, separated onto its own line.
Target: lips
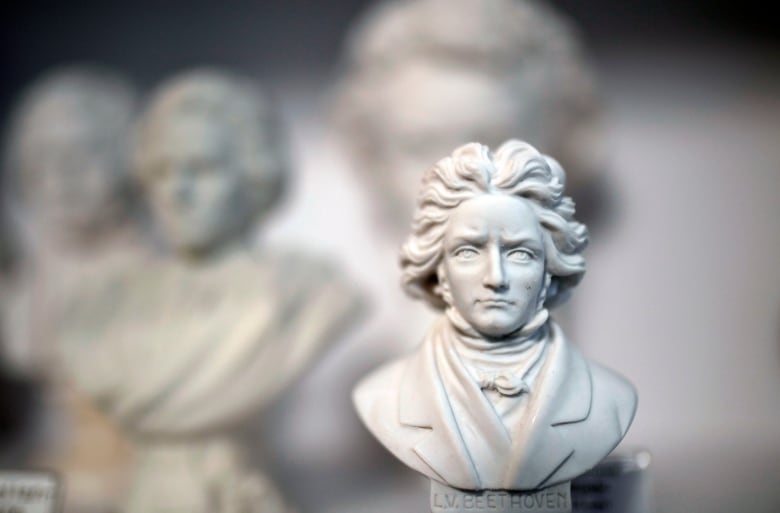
{"x": 495, "y": 302}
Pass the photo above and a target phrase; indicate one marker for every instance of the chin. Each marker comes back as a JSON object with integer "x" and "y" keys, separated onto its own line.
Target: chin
{"x": 495, "y": 325}
{"x": 495, "y": 330}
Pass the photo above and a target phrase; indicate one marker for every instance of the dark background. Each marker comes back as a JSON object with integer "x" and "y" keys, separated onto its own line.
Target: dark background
{"x": 272, "y": 40}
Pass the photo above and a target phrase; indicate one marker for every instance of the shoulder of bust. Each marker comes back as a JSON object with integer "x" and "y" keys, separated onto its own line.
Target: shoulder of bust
{"x": 613, "y": 405}
{"x": 612, "y": 392}
{"x": 378, "y": 390}
{"x": 377, "y": 401}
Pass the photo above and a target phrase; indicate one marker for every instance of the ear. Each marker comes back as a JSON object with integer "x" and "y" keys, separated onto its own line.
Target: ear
{"x": 443, "y": 287}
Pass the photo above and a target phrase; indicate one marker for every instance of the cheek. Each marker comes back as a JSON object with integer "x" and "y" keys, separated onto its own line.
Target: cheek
{"x": 530, "y": 279}
{"x": 166, "y": 206}
{"x": 159, "y": 194}
{"x": 205, "y": 194}
{"x": 534, "y": 282}
{"x": 463, "y": 277}
{"x": 221, "y": 188}
{"x": 221, "y": 204}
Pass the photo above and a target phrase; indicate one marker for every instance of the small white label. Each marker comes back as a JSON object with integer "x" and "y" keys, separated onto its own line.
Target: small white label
{"x": 28, "y": 492}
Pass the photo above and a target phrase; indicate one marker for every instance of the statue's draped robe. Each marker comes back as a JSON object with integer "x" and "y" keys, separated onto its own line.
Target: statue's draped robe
{"x": 170, "y": 348}
{"x": 433, "y": 415}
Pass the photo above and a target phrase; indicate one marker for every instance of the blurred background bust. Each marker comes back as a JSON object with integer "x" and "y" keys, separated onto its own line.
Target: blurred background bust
{"x": 423, "y": 76}
{"x": 225, "y": 326}
{"x": 67, "y": 154}
{"x": 71, "y": 197}
{"x": 212, "y": 160}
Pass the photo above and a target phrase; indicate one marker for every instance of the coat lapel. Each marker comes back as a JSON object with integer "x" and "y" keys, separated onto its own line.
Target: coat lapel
{"x": 564, "y": 397}
{"x": 482, "y": 430}
{"x": 424, "y": 404}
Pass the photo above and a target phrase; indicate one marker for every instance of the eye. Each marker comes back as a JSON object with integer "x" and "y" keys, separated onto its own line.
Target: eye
{"x": 520, "y": 255}
{"x": 466, "y": 253}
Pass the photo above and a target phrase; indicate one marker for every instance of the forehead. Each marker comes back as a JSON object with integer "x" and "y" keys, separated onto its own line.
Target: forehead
{"x": 454, "y": 105}
{"x": 494, "y": 214}
{"x": 189, "y": 137}
{"x": 60, "y": 131}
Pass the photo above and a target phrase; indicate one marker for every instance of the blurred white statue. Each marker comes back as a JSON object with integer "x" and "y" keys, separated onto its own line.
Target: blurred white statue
{"x": 188, "y": 345}
{"x": 71, "y": 196}
{"x": 422, "y": 76}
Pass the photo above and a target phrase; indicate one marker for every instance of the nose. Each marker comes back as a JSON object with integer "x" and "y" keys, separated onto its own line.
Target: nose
{"x": 178, "y": 186}
{"x": 495, "y": 274}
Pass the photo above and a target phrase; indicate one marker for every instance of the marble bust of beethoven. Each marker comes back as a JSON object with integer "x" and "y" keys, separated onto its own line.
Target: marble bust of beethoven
{"x": 495, "y": 396}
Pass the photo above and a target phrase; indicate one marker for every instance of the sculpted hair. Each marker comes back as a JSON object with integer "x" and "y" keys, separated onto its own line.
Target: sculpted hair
{"x": 515, "y": 169}
{"x": 232, "y": 103}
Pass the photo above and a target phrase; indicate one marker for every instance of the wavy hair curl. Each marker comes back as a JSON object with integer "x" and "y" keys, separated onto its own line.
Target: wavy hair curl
{"x": 516, "y": 169}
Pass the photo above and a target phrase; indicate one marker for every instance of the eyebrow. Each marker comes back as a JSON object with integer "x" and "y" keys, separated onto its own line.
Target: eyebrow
{"x": 521, "y": 241}
{"x": 473, "y": 238}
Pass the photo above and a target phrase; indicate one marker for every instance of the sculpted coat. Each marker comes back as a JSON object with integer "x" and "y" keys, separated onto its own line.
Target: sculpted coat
{"x": 577, "y": 412}
{"x": 495, "y": 397}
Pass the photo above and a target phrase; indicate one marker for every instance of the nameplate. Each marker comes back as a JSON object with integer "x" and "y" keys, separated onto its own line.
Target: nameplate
{"x": 28, "y": 492}
{"x": 555, "y": 499}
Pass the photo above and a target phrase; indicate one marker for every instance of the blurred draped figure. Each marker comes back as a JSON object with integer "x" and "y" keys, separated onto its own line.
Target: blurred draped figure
{"x": 197, "y": 341}
{"x": 71, "y": 195}
{"x": 423, "y": 76}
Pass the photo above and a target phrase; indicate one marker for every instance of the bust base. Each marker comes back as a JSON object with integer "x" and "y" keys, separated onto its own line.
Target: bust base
{"x": 555, "y": 499}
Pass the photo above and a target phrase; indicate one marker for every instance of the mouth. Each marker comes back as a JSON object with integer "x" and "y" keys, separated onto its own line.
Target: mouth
{"x": 495, "y": 303}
